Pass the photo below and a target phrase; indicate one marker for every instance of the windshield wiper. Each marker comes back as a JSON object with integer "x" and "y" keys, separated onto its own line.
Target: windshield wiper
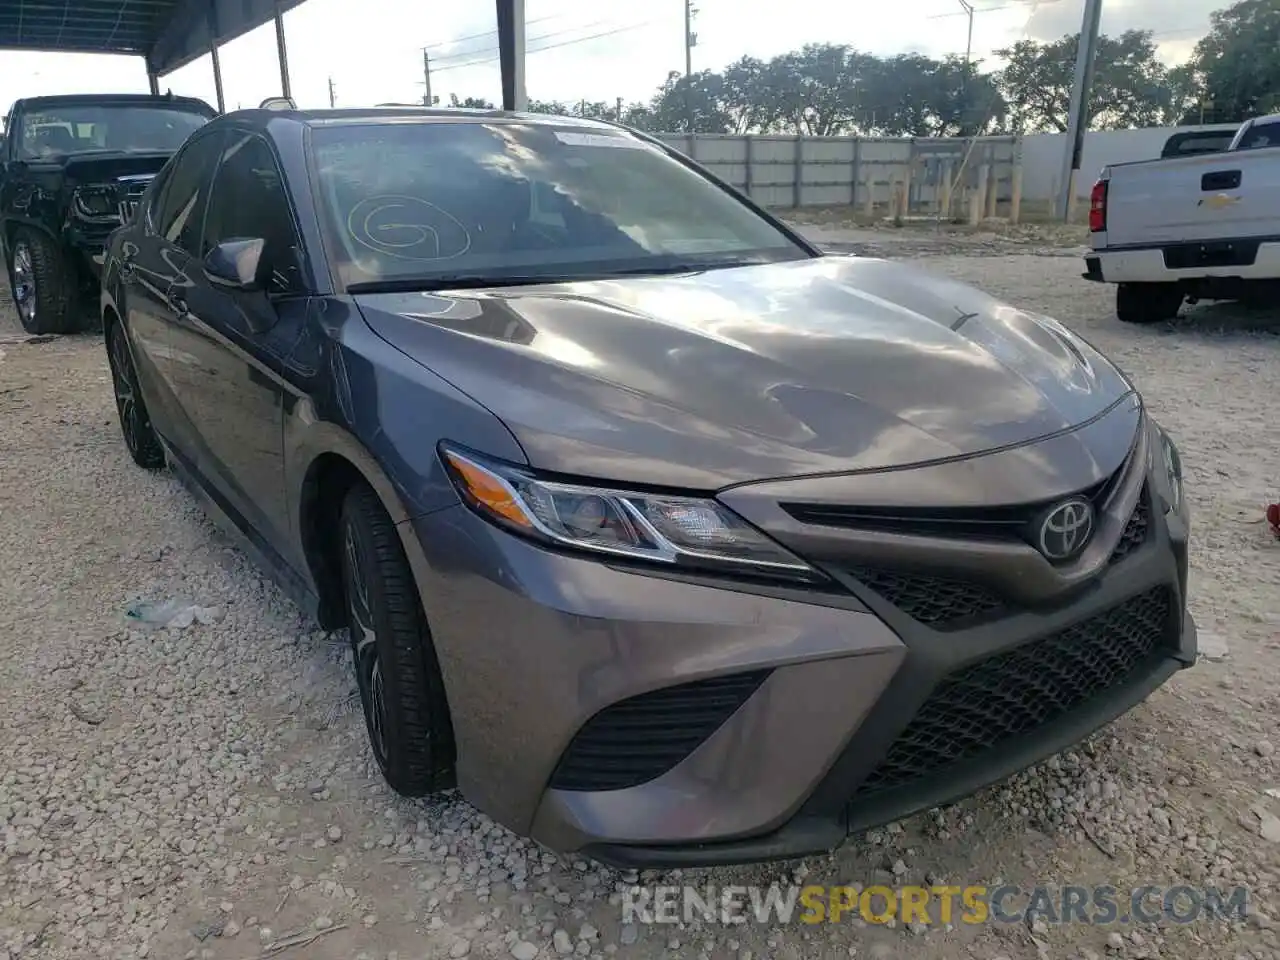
{"x": 456, "y": 281}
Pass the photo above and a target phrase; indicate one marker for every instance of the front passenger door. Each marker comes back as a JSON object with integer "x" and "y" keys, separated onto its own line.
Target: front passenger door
{"x": 238, "y": 342}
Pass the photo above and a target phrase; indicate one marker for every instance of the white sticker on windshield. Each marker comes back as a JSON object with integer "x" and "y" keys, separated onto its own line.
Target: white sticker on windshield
{"x": 574, "y": 139}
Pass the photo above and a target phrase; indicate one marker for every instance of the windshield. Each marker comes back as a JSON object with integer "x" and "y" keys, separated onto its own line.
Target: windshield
{"x": 65, "y": 131}
{"x": 441, "y": 200}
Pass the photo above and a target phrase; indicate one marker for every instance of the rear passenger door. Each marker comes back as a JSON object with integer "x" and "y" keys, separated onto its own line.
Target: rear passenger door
{"x": 237, "y": 343}
{"x": 160, "y": 256}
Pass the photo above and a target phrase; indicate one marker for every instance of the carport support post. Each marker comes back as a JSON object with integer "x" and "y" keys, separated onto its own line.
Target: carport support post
{"x": 213, "y": 55}
{"x": 282, "y": 54}
{"x": 153, "y": 84}
{"x": 511, "y": 53}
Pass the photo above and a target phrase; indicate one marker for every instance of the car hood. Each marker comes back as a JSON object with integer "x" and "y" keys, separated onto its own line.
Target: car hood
{"x": 703, "y": 380}
{"x": 106, "y": 167}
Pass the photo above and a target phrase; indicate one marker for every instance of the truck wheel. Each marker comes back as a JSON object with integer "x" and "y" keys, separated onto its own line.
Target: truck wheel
{"x": 397, "y": 673}
{"x": 1148, "y": 302}
{"x": 42, "y": 293}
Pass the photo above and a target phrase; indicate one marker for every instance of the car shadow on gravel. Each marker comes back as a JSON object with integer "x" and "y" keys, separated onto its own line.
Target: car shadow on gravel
{"x": 1224, "y": 317}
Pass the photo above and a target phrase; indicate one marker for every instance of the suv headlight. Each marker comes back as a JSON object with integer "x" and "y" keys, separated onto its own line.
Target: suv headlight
{"x": 95, "y": 203}
{"x": 675, "y": 531}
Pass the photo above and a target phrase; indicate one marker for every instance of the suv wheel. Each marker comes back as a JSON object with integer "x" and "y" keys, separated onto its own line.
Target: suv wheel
{"x": 1148, "y": 302}
{"x": 135, "y": 423}
{"x": 41, "y": 287}
{"x": 397, "y": 673}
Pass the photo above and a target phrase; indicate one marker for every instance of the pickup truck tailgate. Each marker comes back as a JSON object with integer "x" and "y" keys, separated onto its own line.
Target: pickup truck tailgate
{"x": 1211, "y": 197}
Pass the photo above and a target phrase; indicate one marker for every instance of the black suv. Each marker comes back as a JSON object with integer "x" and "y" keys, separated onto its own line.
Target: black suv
{"x": 71, "y": 171}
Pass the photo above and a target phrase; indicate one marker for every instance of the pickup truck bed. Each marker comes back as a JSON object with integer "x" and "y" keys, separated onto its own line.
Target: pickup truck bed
{"x": 1203, "y": 226}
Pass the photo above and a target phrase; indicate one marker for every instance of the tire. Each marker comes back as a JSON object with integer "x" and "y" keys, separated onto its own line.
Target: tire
{"x": 1148, "y": 302}
{"x": 397, "y": 672}
{"x": 135, "y": 423}
{"x": 41, "y": 284}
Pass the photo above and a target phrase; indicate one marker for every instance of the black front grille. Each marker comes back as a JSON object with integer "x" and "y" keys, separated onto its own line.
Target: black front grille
{"x": 637, "y": 740}
{"x": 1135, "y": 531}
{"x": 986, "y": 704}
{"x": 934, "y": 601}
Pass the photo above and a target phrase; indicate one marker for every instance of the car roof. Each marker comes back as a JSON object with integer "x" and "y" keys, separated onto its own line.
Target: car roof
{"x": 355, "y": 116}
{"x": 118, "y": 99}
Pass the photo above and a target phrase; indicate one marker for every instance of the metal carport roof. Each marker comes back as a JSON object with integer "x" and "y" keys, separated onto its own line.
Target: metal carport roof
{"x": 171, "y": 33}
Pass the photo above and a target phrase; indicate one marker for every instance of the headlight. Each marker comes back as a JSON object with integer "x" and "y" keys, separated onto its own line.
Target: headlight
{"x": 96, "y": 203}
{"x": 668, "y": 530}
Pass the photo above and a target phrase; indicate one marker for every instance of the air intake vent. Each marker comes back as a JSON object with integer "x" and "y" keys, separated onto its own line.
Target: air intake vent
{"x": 638, "y": 740}
{"x": 982, "y": 706}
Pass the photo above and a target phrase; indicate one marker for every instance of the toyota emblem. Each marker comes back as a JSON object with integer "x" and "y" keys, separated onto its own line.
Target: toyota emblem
{"x": 1066, "y": 529}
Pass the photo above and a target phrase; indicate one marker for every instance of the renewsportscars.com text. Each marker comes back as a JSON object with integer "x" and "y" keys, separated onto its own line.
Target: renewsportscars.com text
{"x": 938, "y": 904}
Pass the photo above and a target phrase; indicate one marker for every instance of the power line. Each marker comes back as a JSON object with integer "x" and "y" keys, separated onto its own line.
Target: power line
{"x": 545, "y": 36}
{"x": 550, "y": 46}
{"x": 487, "y": 33}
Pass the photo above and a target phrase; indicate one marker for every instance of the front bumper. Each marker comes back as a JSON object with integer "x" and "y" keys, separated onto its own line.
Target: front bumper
{"x": 835, "y": 729}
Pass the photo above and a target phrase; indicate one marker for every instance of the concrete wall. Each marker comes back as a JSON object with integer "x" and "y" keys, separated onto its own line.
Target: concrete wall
{"x": 790, "y": 171}
{"x": 1042, "y": 155}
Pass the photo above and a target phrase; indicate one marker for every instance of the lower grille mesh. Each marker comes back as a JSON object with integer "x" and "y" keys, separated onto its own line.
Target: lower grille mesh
{"x": 929, "y": 600}
{"x": 640, "y": 739}
{"x": 987, "y": 703}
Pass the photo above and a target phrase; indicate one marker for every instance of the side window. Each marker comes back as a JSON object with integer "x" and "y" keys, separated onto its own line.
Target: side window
{"x": 187, "y": 192}
{"x": 249, "y": 202}
{"x": 155, "y": 196}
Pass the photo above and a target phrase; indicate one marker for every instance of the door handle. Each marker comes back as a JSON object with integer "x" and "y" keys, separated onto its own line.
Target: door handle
{"x": 1221, "y": 180}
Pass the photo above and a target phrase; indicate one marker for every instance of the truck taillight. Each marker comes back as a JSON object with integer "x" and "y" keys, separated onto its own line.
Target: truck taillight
{"x": 1098, "y": 207}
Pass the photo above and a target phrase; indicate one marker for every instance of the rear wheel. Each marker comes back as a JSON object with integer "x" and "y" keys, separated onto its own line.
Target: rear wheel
{"x": 135, "y": 423}
{"x": 397, "y": 673}
{"x": 41, "y": 284}
{"x": 1148, "y": 302}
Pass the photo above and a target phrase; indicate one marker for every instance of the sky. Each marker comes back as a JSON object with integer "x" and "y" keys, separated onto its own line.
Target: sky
{"x": 579, "y": 49}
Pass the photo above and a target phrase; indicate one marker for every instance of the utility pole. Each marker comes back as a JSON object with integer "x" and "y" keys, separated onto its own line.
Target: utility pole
{"x": 690, "y": 41}
{"x": 333, "y": 100}
{"x": 426, "y": 79}
{"x": 1078, "y": 121}
{"x": 968, "y": 47}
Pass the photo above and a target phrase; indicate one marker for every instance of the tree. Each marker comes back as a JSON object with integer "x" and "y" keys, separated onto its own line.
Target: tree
{"x": 701, "y": 95}
{"x": 470, "y": 103}
{"x": 1130, "y": 85}
{"x": 1237, "y": 63}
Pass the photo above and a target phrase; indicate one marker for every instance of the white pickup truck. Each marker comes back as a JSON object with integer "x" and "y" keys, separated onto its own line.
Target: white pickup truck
{"x": 1205, "y": 226}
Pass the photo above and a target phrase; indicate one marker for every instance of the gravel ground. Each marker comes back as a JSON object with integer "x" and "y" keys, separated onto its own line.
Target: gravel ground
{"x": 207, "y": 792}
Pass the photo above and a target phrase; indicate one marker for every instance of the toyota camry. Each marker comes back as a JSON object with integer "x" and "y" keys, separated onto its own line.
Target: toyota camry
{"x": 661, "y": 535}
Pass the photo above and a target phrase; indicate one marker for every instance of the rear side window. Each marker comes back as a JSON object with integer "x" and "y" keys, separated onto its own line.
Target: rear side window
{"x": 1261, "y": 135}
{"x": 182, "y": 207}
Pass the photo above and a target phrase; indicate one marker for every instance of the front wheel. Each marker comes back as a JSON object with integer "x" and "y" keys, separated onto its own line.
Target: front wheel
{"x": 397, "y": 673}
{"x": 135, "y": 424}
{"x": 1148, "y": 302}
{"x": 41, "y": 284}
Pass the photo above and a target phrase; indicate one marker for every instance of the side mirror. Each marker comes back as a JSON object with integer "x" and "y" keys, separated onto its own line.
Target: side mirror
{"x": 236, "y": 265}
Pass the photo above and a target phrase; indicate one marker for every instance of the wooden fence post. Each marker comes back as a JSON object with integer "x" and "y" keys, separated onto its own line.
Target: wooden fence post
{"x": 798, "y": 184}
{"x": 853, "y": 173}
{"x": 1015, "y": 196}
